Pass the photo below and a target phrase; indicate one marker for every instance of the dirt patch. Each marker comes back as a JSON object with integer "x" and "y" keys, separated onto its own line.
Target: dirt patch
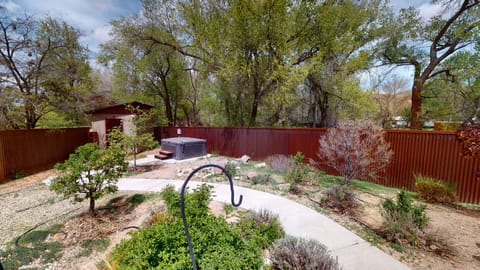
{"x": 452, "y": 236}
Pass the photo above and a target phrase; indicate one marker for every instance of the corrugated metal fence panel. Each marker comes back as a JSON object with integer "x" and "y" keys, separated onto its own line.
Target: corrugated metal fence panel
{"x": 27, "y": 151}
{"x": 434, "y": 154}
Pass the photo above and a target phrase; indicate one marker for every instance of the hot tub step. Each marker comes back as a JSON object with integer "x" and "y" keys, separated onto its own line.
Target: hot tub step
{"x": 164, "y": 154}
{"x": 162, "y": 157}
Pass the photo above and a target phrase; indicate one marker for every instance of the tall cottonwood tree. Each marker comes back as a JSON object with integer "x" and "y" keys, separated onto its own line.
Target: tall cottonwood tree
{"x": 245, "y": 44}
{"x": 255, "y": 55}
{"x": 424, "y": 45}
{"x": 338, "y": 42}
{"x": 455, "y": 97}
{"x": 142, "y": 65}
{"x": 41, "y": 63}
{"x": 256, "y": 51}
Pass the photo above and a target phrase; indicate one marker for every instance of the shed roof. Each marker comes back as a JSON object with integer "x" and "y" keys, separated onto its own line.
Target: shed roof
{"x": 120, "y": 108}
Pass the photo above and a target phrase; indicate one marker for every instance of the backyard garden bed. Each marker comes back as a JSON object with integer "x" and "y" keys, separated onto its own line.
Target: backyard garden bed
{"x": 27, "y": 203}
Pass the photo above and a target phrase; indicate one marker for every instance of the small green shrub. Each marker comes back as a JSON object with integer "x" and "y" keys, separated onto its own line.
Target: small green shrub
{"x": 17, "y": 174}
{"x": 299, "y": 171}
{"x": 263, "y": 227}
{"x": 340, "y": 198}
{"x": 296, "y": 253}
{"x": 196, "y": 203}
{"x": 435, "y": 190}
{"x": 293, "y": 188}
{"x": 231, "y": 168}
{"x": 262, "y": 179}
{"x": 137, "y": 199}
{"x": 402, "y": 220}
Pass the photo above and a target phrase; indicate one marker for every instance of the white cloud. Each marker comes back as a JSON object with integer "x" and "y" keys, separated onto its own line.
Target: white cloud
{"x": 102, "y": 34}
{"x": 428, "y": 10}
{"x": 399, "y": 4}
{"x": 10, "y": 6}
{"x": 91, "y": 17}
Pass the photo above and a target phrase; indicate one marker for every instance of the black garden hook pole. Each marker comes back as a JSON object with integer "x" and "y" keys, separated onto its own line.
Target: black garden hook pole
{"x": 182, "y": 204}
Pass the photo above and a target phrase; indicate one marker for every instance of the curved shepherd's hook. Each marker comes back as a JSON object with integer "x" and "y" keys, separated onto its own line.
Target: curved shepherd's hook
{"x": 182, "y": 204}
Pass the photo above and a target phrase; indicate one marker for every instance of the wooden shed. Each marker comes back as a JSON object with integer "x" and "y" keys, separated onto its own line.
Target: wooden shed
{"x": 106, "y": 118}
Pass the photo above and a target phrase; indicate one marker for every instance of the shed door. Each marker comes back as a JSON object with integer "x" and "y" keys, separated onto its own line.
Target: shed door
{"x": 110, "y": 124}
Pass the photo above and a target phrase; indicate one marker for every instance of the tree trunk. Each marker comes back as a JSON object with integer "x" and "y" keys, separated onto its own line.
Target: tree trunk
{"x": 30, "y": 116}
{"x": 253, "y": 114}
{"x": 92, "y": 205}
{"x": 416, "y": 121}
{"x": 323, "y": 104}
{"x": 166, "y": 102}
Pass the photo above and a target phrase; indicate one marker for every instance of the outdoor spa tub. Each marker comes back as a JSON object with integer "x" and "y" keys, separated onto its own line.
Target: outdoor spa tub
{"x": 185, "y": 147}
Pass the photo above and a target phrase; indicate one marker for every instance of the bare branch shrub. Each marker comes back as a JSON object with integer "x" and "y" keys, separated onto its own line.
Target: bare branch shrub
{"x": 279, "y": 163}
{"x": 356, "y": 150}
{"x": 340, "y": 198}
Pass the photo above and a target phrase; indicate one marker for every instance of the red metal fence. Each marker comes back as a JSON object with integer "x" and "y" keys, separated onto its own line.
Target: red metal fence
{"x": 430, "y": 153}
{"x": 27, "y": 151}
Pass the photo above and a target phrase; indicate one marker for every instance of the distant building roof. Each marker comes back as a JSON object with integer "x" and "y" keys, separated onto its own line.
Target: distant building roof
{"x": 120, "y": 108}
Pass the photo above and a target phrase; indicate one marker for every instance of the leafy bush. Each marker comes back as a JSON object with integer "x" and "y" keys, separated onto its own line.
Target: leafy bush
{"x": 196, "y": 203}
{"x": 297, "y": 172}
{"x": 231, "y": 168}
{"x": 263, "y": 227}
{"x": 90, "y": 173}
{"x": 341, "y": 198}
{"x": 294, "y": 188}
{"x": 217, "y": 244}
{"x": 262, "y": 179}
{"x": 469, "y": 137}
{"x": 296, "y": 253}
{"x": 279, "y": 163}
{"x": 435, "y": 190}
{"x": 402, "y": 220}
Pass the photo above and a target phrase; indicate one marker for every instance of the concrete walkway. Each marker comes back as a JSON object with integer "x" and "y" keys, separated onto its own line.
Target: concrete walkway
{"x": 353, "y": 252}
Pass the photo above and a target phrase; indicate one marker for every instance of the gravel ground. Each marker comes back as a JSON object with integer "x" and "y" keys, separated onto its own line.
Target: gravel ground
{"x": 28, "y": 204}
{"x": 30, "y": 207}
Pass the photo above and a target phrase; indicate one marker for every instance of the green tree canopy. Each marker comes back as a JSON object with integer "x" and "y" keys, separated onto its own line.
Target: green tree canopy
{"x": 42, "y": 64}
{"x": 426, "y": 44}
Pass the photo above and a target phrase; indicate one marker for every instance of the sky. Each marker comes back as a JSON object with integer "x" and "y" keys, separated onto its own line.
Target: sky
{"x": 93, "y": 17}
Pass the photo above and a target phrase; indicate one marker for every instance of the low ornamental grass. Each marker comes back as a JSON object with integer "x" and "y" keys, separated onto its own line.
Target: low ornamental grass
{"x": 435, "y": 190}
{"x": 291, "y": 253}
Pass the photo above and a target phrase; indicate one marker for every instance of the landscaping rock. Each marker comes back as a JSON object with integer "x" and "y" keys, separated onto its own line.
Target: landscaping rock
{"x": 245, "y": 159}
{"x": 251, "y": 175}
{"x": 261, "y": 165}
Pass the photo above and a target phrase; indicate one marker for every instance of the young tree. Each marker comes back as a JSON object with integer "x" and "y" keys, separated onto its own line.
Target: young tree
{"x": 90, "y": 173}
{"x": 140, "y": 135}
{"x": 391, "y": 97}
{"x": 356, "y": 150}
{"x": 425, "y": 45}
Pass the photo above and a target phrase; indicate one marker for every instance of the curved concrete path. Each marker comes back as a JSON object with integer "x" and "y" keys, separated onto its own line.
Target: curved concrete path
{"x": 353, "y": 252}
